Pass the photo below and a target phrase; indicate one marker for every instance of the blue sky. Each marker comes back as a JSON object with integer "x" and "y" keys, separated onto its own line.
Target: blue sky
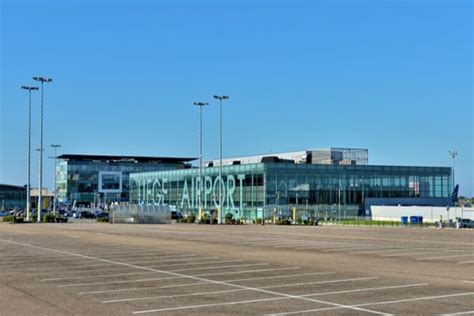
{"x": 395, "y": 77}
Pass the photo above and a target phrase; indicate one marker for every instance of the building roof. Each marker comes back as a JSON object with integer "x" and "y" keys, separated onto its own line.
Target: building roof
{"x": 12, "y": 187}
{"x": 113, "y": 158}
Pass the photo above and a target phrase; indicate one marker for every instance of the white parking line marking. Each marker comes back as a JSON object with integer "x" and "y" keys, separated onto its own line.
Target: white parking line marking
{"x": 384, "y": 248}
{"x": 423, "y": 298}
{"x": 460, "y": 313}
{"x": 234, "y": 290}
{"x": 225, "y": 267}
{"x": 178, "y": 275}
{"x": 466, "y": 262}
{"x": 96, "y": 276}
{"x": 68, "y": 268}
{"x": 280, "y": 298}
{"x": 443, "y": 257}
{"x": 181, "y": 276}
{"x": 201, "y": 283}
{"x": 150, "y": 272}
{"x": 417, "y": 251}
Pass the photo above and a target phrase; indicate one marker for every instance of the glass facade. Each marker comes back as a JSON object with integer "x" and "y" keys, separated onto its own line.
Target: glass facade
{"x": 251, "y": 191}
{"x": 89, "y": 182}
{"x": 12, "y": 196}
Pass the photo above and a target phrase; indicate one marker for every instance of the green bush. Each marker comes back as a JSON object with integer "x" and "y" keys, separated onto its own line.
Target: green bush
{"x": 228, "y": 218}
{"x": 49, "y": 218}
{"x": 191, "y": 218}
{"x": 103, "y": 219}
{"x": 9, "y": 218}
{"x": 299, "y": 220}
{"x": 205, "y": 219}
{"x": 283, "y": 222}
{"x": 258, "y": 221}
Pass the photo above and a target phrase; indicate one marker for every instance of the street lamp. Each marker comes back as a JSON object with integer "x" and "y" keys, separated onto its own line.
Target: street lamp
{"x": 55, "y": 146}
{"x": 28, "y": 185}
{"x": 220, "y": 98}
{"x": 200, "y": 104}
{"x": 453, "y": 153}
{"x": 42, "y": 80}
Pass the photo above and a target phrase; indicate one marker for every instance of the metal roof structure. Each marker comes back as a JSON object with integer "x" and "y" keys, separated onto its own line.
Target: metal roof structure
{"x": 4, "y": 186}
{"x": 115, "y": 158}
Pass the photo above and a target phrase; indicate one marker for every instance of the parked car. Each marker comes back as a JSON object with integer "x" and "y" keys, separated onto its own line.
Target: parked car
{"x": 86, "y": 214}
{"x": 61, "y": 216}
{"x": 176, "y": 215}
{"x": 102, "y": 214}
{"x": 464, "y": 223}
{"x": 4, "y": 213}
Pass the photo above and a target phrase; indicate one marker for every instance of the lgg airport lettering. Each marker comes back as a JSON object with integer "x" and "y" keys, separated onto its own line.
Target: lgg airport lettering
{"x": 156, "y": 191}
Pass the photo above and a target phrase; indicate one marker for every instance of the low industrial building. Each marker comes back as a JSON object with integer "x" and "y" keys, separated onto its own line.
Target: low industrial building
{"x": 330, "y": 183}
{"x": 430, "y": 214}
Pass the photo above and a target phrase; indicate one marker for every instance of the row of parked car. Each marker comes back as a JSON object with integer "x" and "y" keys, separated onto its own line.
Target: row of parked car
{"x": 61, "y": 215}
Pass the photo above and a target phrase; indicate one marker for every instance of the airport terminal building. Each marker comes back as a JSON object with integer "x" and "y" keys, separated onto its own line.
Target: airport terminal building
{"x": 88, "y": 180}
{"x": 331, "y": 183}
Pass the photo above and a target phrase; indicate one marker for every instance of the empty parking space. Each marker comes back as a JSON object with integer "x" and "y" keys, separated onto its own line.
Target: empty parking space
{"x": 254, "y": 270}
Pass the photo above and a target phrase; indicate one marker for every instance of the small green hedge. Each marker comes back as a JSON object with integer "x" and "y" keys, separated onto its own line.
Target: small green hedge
{"x": 49, "y": 218}
{"x": 9, "y": 218}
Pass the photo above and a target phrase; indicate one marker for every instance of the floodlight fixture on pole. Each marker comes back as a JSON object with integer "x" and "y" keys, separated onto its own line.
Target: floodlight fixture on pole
{"x": 55, "y": 146}
{"x": 221, "y": 200}
{"x": 42, "y": 80}
{"x": 453, "y": 153}
{"x": 200, "y": 104}
{"x": 28, "y": 184}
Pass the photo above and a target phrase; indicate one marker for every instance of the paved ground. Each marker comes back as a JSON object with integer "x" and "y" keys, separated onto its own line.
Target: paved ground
{"x": 97, "y": 268}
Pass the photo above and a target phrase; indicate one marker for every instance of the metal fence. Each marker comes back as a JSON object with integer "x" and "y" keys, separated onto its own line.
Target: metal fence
{"x": 140, "y": 214}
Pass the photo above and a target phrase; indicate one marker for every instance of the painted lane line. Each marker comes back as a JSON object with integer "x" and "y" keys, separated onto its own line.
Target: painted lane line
{"x": 178, "y": 275}
{"x": 320, "y": 282}
{"x": 234, "y": 290}
{"x": 465, "y": 262}
{"x": 171, "y": 296}
{"x": 468, "y": 281}
{"x": 381, "y": 250}
{"x": 201, "y": 283}
{"x": 423, "y": 298}
{"x": 415, "y": 251}
{"x": 344, "y": 249}
{"x": 279, "y": 298}
{"x": 199, "y": 263}
{"x": 235, "y": 303}
{"x": 443, "y": 257}
{"x": 460, "y": 313}
{"x": 108, "y": 264}
{"x": 148, "y": 272}
{"x": 126, "y": 268}
{"x": 224, "y": 267}
{"x": 97, "y": 276}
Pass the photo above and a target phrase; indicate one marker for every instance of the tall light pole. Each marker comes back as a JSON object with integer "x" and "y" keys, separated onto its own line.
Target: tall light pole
{"x": 200, "y": 104}
{"x": 220, "y": 98}
{"x": 28, "y": 184}
{"x": 453, "y": 153}
{"x": 42, "y": 80}
{"x": 55, "y": 146}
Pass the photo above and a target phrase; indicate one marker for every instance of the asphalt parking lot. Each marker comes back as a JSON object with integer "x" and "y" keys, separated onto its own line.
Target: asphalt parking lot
{"x": 104, "y": 269}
